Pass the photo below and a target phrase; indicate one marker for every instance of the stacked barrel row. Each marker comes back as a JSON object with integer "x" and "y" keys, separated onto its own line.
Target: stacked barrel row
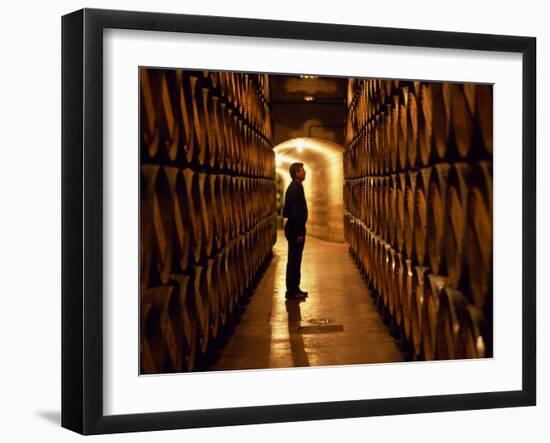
{"x": 207, "y": 215}
{"x": 212, "y": 121}
{"x": 418, "y": 209}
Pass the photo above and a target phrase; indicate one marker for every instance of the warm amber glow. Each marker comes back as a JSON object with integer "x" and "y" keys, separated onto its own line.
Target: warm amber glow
{"x": 323, "y": 162}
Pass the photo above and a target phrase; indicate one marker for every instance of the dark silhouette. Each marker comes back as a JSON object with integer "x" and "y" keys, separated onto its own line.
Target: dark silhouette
{"x": 295, "y": 210}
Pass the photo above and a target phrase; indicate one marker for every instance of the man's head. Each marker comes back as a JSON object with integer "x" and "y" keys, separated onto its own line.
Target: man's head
{"x": 297, "y": 171}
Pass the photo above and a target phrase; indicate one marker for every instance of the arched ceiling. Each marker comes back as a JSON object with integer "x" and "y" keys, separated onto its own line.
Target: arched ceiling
{"x": 306, "y": 150}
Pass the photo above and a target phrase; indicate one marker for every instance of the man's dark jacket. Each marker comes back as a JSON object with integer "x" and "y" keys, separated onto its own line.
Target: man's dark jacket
{"x": 295, "y": 210}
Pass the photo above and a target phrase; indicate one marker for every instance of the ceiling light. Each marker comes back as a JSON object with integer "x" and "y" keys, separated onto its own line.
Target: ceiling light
{"x": 309, "y": 98}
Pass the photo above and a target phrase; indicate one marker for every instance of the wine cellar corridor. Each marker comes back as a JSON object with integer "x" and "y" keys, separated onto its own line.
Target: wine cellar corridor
{"x": 398, "y": 253}
{"x": 322, "y": 330}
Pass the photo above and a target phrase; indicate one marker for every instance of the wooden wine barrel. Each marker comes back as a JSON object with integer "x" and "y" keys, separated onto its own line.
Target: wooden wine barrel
{"x": 225, "y": 132}
{"x": 437, "y": 217}
{"x": 241, "y": 264}
{"x": 355, "y": 237}
{"x": 392, "y": 208}
{"x": 391, "y": 281}
{"x": 223, "y": 85}
{"x": 258, "y": 248}
{"x": 214, "y": 296}
{"x": 238, "y": 143}
{"x": 448, "y": 324}
{"x": 372, "y": 203}
{"x": 433, "y": 287}
{"x": 229, "y": 228}
{"x": 364, "y": 245}
{"x": 369, "y": 265}
{"x": 214, "y": 78}
{"x": 403, "y": 129}
{"x": 386, "y": 268}
{"x": 399, "y": 286}
{"x": 410, "y": 203}
{"x": 202, "y": 291}
{"x": 244, "y": 200}
{"x": 406, "y": 296}
{"x": 241, "y": 203}
{"x": 223, "y": 230}
{"x": 246, "y": 148}
{"x": 199, "y": 122}
{"x": 232, "y": 131}
{"x": 425, "y": 138}
{"x": 161, "y": 215}
{"x": 186, "y": 116}
{"x": 379, "y": 206}
{"x": 210, "y": 109}
{"x": 181, "y": 219}
{"x": 387, "y": 135}
{"x": 161, "y": 330}
{"x": 149, "y": 84}
{"x": 384, "y": 217}
{"x": 229, "y": 279}
{"x": 234, "y": 205}
{"x": 206, "y": 214}
{"x": 231, "y": 145}
{"x": 239, "y": 105}
{"x": 170, "y": 120}
{"x": 368, "y": 207}
{"x": 357, "y": 253}
{"x": 255, "y": 204}
{"x": 484, "y": 113}
{"x": 456, "y": 220}
{"x": 193, "y": 193}
{"x": 412, "y": 137}
{"x": 248, "y": 99}
{"x": 400, "y": 212}
{"x": 247, "y": 256}
{"x": 257, "y": 154}
{"x": 479, "y": 234}
{"x": 441, "y": 116}
{"x": 387, "y": 86}
{"x": 247, "y": 202}
{"x": 471, "y": 340}
{"x": 393, "y": 135}
{"x": 377, "y": 263}
{"x": 257, "y": 158}
{"x": 463, "y": 120}
{"x": 147, "y": 174}
{"x": 183, "y": 285}
{"x": 417, "y": 307}
{"x": 377, "y": 144}
{"x": 370, "y": 148}
{"x": 421, "y": 214}
{"x": 233, "y": 271}
{"x": 230, "y": 91}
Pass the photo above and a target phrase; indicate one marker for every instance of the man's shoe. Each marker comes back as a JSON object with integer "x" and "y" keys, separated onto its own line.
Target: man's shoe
{"x": 294, "y": 295}
{"x": 299, "y": 291}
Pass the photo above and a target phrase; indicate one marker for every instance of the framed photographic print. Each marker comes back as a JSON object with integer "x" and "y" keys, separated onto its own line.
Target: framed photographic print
{"x": 269, "y": 221}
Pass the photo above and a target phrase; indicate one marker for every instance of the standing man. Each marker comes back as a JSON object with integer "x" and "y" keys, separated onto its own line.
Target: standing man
{"x": 295, "y": 230}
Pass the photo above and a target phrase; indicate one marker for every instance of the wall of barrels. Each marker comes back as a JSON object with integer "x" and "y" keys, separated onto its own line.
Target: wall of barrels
{"x": 207, "y": 211}
{"x": 418, "y": 210}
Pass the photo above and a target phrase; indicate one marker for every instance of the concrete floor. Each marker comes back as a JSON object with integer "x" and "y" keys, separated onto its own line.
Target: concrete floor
{"x": 337, "y": 324}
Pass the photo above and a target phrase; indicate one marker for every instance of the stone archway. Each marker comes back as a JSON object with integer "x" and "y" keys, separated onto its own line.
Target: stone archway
{"x": 324, "y": 184}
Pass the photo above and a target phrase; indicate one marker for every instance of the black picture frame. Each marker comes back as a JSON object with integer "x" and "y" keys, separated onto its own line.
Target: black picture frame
{"x": 82, "y": 215}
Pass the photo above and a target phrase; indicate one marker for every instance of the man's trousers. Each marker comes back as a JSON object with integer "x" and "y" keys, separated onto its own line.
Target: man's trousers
{"x": 294, "y": 263}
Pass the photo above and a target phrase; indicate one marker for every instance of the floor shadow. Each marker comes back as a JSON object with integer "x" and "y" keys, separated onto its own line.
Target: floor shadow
{"x": 297, "y": 347}
{"x": 54, "y": 417}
